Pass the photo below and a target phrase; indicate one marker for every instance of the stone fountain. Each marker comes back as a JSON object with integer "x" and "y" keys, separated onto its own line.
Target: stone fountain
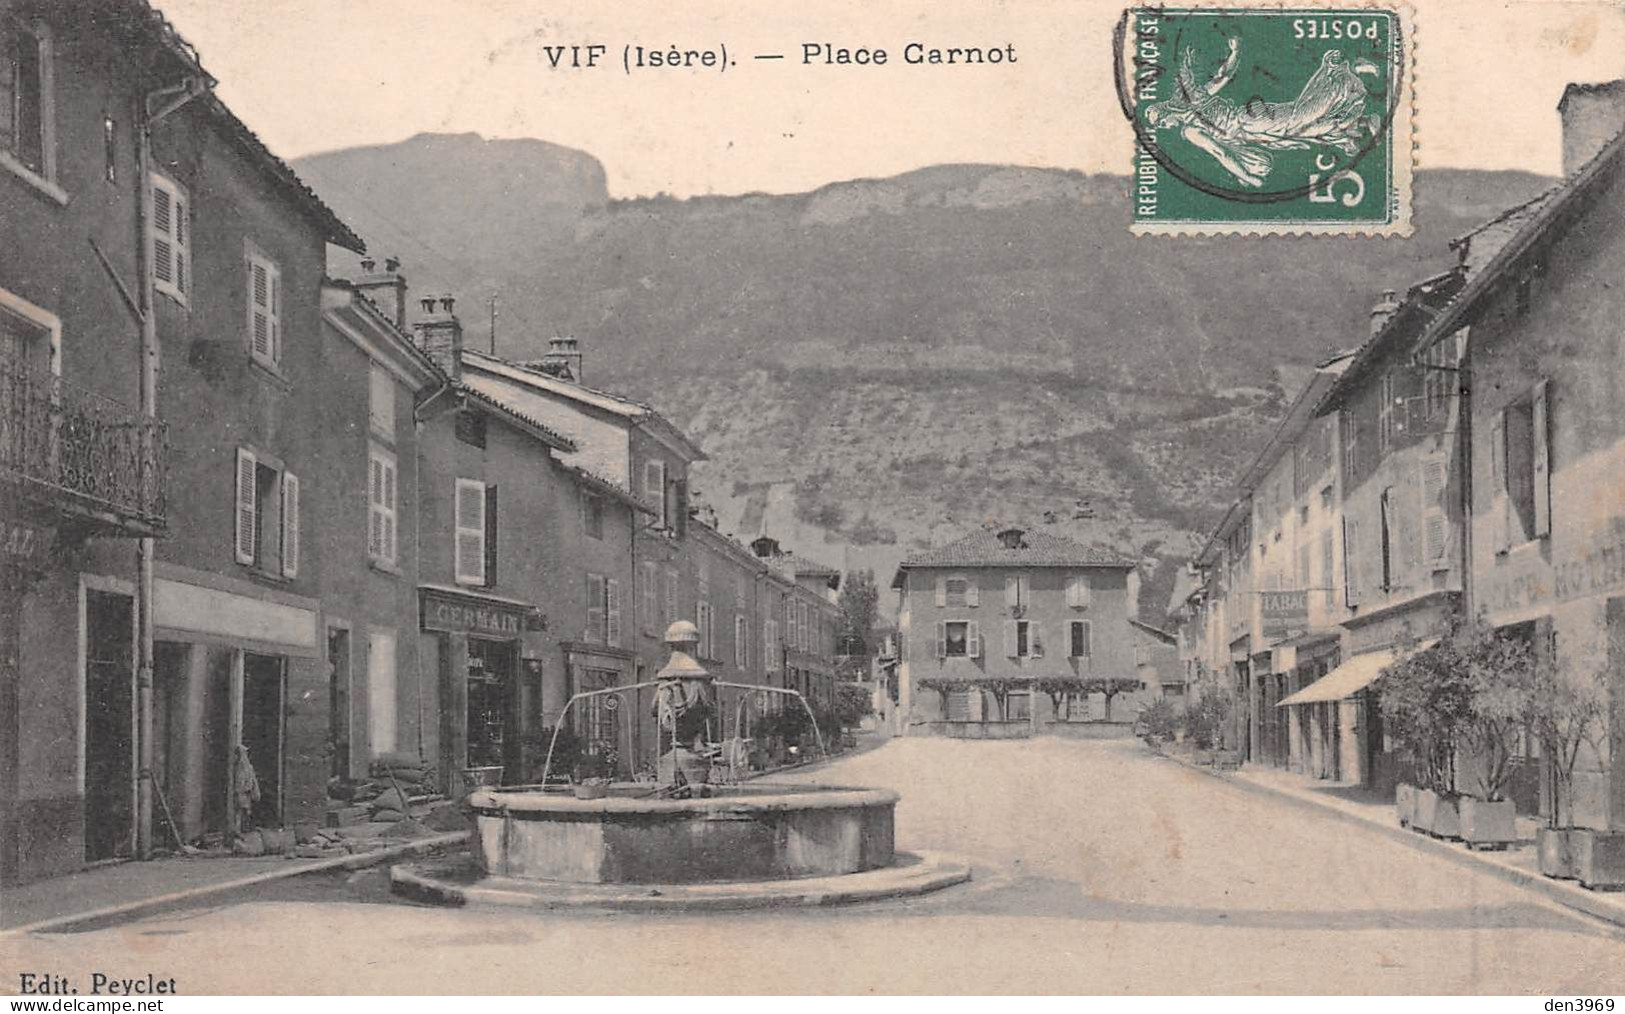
{"x": 681, "y": 840}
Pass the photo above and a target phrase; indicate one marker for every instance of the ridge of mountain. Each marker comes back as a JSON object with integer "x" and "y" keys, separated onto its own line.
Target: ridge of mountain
{"x": 882, "y": 363}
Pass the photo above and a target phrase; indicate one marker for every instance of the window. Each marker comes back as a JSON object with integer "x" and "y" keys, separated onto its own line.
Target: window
{"x": 471, "y": 527}
{"x": 958, "y": 590}
{"x": 1351, "y": 560}
{"x": 1017, "y": 591}
{"x": 1305, "y": 578}
{"x": 1023, "y": 639}
{"x": 702, "y": 619}
{"x": 1081, "y": 636}
{"x": 1351, "y": 444}
{"x": 649, "y": 597}
{"x": 381, "y": 691}
{"x": 654, "y": 490}
{"x": 381, "y": 402}
{"x": 1018, "y": 706}
{"x": 770, "y": 645}
{"x": 109, "y": 149}
{"x": 742, "y": 642}
{"x": 1327, "y": 565}
{"x": 592, "y": 514}
{"x": 267, "y": 516}
{"x": 169, "y": 238}
{"x": 1077, "y": 591}
{"x": 597, "y": 631}
{"x": 964, "y": 705}
{"x": 741, "y": 588}
{"x": 381, "y": 510}
{"x": 671, "y": 597}
{"x": 470, "y": 428}
{"x": 26, "y": 119}
{"x": 264, "y": 311}
{"x": 1439, "y": 377}
{"x": 1520, "y": 451}
{"x": 702, "y": 575}
{"x": 1435, "y": 533}
{"x": 959, "y": 639}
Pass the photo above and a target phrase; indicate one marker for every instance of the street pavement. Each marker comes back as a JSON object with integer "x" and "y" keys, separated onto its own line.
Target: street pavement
{"x": 1100, "y": 869}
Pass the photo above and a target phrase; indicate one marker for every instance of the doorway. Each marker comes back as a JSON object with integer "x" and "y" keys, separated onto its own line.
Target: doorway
{"x": 262, "y": 734}
{"x": 493, "y": 738}
{"x": 109, "y": 725}
{"x": 338, "y": 702}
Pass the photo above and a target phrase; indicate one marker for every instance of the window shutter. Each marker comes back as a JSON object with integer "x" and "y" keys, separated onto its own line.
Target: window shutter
{"x": 375, "y": 499}
{"x": 942, "y": 639}
{"x": 973, "y": 639}
{"x": 259, "y": 308}
{"x": 163, "y": 224}
{"x": 1351, "y": 587}
{"x": 1434, "y": 531}
{"x": 1541, "y": 463}
{"x": 1085, "y": 639}
{"x": 275, "y": 311}
{"x": 469, "y": 545}
{"x": 595, "y": 608}
{"x": 1012, "y": 593}
{"x": 942, "y": 591}
{"x": 613, "y": 627}
{"x": 490, "y": 536}
{"x": 1010, "y": 645}
{"x": 671, "y": 597}
{"x": 1035, "y": 640}
{"x": 290, "y": 525}
{"x": 973, "y": 594}
{"x": 247, "y": 506}
{"x": 391, "y": 538}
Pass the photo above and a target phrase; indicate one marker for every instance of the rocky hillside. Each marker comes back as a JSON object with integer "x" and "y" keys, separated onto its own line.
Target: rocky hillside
{"x": 881, "y": 363}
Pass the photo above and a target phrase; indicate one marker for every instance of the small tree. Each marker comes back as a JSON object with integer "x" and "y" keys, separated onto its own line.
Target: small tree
{"x": 1159, "y": 719}
{"x": 1426, "y": 699}
{"x": 1567, "y": 716}
{"x": 860, "y": 608}
{"x": 1502, "y": 673}
{"x": 1208, "y": 713}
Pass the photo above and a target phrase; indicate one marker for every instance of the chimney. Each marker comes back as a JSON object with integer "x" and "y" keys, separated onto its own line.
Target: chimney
{"x": 386, "y": 288}
{"x": 1384, "y": 311}
{"x": 439, "y": 334}
{"x": 563, "y": 359}
{"x": 1592, "y": 115}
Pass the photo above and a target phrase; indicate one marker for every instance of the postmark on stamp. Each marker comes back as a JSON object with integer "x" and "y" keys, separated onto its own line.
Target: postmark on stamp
{"x": 1268, "y": 120}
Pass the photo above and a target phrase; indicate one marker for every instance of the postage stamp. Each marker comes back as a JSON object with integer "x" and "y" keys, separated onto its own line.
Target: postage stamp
{"x": 1269, "y": 120}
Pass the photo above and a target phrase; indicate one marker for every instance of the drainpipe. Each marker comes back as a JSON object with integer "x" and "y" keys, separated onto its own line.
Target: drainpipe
{"x": 1464, "y": 467}
{"x": 155, "y": 106}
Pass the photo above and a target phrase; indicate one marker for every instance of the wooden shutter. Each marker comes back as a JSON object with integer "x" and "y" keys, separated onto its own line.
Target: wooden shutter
{"x": 973, "y": 594}
{"x": 973, "y": 639}
{"x": 942, "y": 591}
{"x": 259, "y": 308}
{"x": 671, "y": 597}
{"x": 595, "y": 608}
{"x": 942, "y": 639}
{"x": 375, "y": 500}
{"x": 1012, "y": 593}
{"x": 1035, "y": 640}
{"x": 1085, "y": 638}
{"x": 290, "y": 525}
{"x": 1541, "y": 460}
{"x": 163, "y": 243}
{"x": 1010, "y": 645}
{"x": 490, "y": 536}
{"x": 469, "y": 522}
{"x": 1435, "y": 533}
{"x": 612, "y": 596}
{"x": 1351, "y": 586}
{"x": 391, "y": 535}
{"x": 247, "y": 513}
{"x": 1500, "y": 500}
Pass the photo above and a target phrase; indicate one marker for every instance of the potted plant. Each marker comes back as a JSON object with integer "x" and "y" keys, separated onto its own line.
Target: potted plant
{"x": 1568, "y": 715}
{"x": 1158, "y": 720}
{"x": 1426, "y": 697}
{"x": 1205, "y": 720}
{"x": 1501, "y": 672}
{"x": 593, "y": 773}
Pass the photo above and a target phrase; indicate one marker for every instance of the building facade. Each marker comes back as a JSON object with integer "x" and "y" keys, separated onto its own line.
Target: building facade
{"x": 1004, "y": 632}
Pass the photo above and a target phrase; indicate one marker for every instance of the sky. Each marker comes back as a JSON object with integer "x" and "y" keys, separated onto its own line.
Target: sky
{"x": 316, "y": 75}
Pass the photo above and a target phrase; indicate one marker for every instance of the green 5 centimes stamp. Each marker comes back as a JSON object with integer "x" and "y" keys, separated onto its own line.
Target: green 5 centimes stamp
{"x": 1268, "y": 120}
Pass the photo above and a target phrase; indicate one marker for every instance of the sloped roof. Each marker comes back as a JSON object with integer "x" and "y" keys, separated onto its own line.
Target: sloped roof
{"x": 633, "y": 411}
{"x": 593, "y": 481}
{"x": 490, "y": 395}
{"x": 1491, "y": 250}
{"x": 152, "y": 21}
{"x": 983, "y": 548}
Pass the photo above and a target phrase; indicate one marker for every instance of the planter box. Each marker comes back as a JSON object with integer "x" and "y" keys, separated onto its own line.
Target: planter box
{"x": 1485, "y": 823}
{"x": 1554, "y": 848}
{"x": 1599, "y": 857}
{"x": 1227, "y": 760}
{"x": 1405, "y": 803}
{"x": 1437, "y": 815}
{"x": 1202, "y": 757}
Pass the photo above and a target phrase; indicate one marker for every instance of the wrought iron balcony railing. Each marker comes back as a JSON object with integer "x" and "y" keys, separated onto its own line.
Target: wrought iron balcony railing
{"x": 81, "y": 453}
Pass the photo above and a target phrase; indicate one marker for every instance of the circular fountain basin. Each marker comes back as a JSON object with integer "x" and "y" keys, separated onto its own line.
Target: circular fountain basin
{"x": 735, "y": 833}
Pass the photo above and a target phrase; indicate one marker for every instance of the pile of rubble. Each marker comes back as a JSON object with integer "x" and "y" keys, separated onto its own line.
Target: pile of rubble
{"x": 395, "y": 783}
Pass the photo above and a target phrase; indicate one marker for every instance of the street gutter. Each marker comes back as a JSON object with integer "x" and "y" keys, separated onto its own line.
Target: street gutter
{"x": 1604, "y": 906}
{"x": 174, "y": 899}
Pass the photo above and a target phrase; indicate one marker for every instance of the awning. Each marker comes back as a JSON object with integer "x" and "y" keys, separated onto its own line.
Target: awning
{"x": 1349, "y": 678}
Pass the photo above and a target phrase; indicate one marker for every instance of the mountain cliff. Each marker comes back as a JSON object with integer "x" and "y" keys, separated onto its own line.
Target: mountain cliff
{"x": 879, "y": 364}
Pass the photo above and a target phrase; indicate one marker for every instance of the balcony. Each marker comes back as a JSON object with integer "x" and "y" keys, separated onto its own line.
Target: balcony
{"x": 80, "y": 454}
